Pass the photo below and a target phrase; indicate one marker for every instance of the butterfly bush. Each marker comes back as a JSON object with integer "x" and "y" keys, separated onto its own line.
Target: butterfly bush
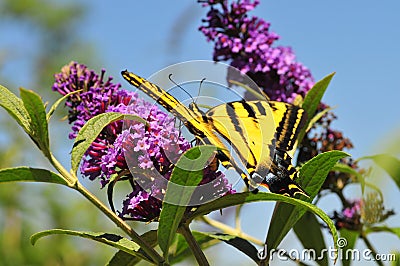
{"x": 145, "y": 146}
{"x": 247, "y": 43}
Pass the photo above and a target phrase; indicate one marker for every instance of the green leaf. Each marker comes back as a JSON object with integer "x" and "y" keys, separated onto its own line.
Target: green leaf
{"x": 187, "y": 174}
{"x": 91, "y": 130}
{"x": 15, "y": 108}
{"x": 312, "y": 176}
{"x": 389, "y": 163}
{"x": 308, "y": 230}
{"x": 344, "y": 168}
{"x": 28, "y": 174}
{"x": 113, "y": 240}
{"x": 376, "y": 229}
{"x": 312, "y": 100}
{"x": 246, "y": 197}
{"x": 347, "y": 241}
{"x": 126, "y": 259}
{"x": 37, "y": 113}
{"x": 239, "y": 243}
{"x": 317, "y": 117}
{"x": 180, "y": 249}
{"x": 206, "y": 240}
{"x": 57, "y": 103}
{"x": 314, "y": 172}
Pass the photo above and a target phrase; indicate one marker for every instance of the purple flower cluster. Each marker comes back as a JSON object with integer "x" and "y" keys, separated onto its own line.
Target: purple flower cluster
{"x": 366, "y": 211}
{"x": 95, "y": 97}
{"x": 121, "y": 147}
{"x": 350, "y": 216}
{"x": 247, "y": 43}
{"x": 353, "y": 210}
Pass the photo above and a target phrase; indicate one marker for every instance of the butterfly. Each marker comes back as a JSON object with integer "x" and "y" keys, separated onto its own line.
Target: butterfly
{"x": 261, "y": 132}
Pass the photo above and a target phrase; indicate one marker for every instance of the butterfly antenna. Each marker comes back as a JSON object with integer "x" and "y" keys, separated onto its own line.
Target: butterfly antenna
{"x": 179, "y": 86}
{"x": 198, "y": 93}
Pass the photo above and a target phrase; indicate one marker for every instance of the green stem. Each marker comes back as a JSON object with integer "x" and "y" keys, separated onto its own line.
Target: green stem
{"x": 193, "y": 245}
{"x": 71, "y": 179}
{"x": 73, "y": 182}
{"x": 370, "y": 247}
{"x": 237, "y": 217}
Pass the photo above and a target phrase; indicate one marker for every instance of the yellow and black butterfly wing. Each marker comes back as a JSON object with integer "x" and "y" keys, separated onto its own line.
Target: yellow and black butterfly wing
{"x": 192, "y": 118}
{"x": 169, "y": 102}
{"x": 249, "y": 128}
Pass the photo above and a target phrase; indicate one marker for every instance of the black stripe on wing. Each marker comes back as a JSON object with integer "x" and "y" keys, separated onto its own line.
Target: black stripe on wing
{"x": 294, "y": 118}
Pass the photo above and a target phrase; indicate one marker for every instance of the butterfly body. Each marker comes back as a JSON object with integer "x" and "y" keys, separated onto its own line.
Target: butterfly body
{"x": 262, "y": 133}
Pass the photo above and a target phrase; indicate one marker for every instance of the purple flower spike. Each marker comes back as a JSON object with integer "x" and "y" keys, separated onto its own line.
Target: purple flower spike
{"x": 247, "y": 43}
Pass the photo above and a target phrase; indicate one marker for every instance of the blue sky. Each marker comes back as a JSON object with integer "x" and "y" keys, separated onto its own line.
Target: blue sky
{"x": 359, "y": 40}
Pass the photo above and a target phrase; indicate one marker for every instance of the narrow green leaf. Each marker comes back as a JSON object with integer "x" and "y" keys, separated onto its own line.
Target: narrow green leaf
{"x": 126, "y": 259}
{"x": 347, "y": 242}
{"x": 312, "y": 176}
{"x": 376, "y": 229}
{"x": 314, "y": 95}
{"x": 312, "y": 100}
{"x": 317, "y": 117}
{"x": 389, "y": 163}
{"x": 308, "y": 230}
{"x": 123, "y": 258}
{"x": 183, "y": 182}
{"x": 247, "y": 197}
{"x": 239, "y": 243}
{"x": 205, "y": 240}
{"x": 180, "y": 249}
{"x": 91, "y": 130}
{"x": 344, "y": 168}
{"x": 113, "y": 240}
{"x": 34, "y": 105}
{"x": 28, "y": 174}
{"x": 15, "y": 108}
{"x": 57, "y": 103}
